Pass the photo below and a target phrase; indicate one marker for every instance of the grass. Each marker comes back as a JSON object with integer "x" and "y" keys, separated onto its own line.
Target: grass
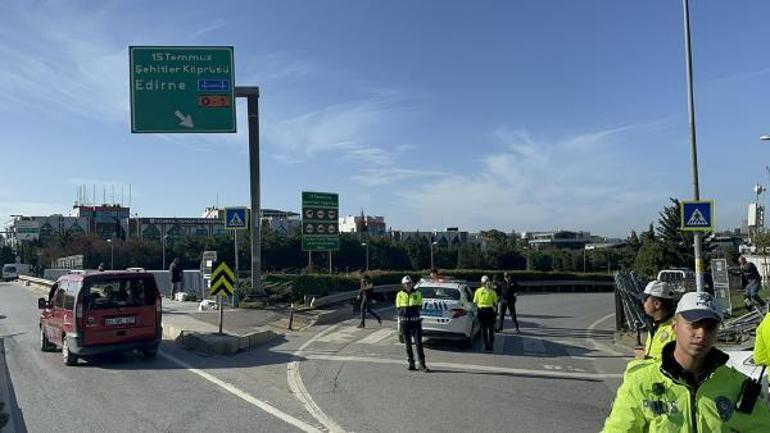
{"x": 736, "y": 299}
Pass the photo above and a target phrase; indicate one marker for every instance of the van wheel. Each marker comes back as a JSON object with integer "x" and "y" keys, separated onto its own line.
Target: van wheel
{"x": 69, "y": 357}
{"x": 45, "y": 346}
{"x": 150, "y": 352}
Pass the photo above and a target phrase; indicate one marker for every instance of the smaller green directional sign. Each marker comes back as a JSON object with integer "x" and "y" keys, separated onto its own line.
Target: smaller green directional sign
{"x": 320, "y": 221}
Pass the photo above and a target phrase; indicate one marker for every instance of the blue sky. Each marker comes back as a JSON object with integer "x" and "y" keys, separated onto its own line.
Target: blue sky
{"x": 515, "y": 115}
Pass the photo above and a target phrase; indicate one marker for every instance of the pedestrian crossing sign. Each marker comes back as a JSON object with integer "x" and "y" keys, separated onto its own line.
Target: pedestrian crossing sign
{"x": 236, "y": 218}
{"x": 697, "y": 216}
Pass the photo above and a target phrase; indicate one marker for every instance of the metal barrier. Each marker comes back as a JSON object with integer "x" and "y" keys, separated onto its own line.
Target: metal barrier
{"x": 526, "y": 286}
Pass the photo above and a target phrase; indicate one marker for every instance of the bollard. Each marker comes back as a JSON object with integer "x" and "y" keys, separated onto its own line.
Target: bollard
{"x": 291, "y": 316}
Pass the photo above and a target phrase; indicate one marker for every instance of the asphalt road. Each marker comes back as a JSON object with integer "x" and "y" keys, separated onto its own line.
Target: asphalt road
{"x": 560, "y": 374}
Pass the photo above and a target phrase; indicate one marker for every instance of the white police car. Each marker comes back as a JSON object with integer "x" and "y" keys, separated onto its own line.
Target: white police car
{"x": 448, "y": 311}
{"x": 743, "y": 361}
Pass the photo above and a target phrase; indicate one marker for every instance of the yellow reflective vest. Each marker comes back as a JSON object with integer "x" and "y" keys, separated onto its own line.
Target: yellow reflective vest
{"x": 651, "y": 401}
{"x": 405, "y": 299}
{"x": 662, "y": 335}
{"x": 485, "y": 298}
{"x": 762, "y": 344}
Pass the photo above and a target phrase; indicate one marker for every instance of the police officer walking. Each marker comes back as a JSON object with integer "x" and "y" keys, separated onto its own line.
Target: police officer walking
{"x": 659, "y": 304}
{"x": 408, "y": 304}
{"x": 509, "y": 290}
{"x": 485, "y": 299}
{"x": 365, "y": 294}
{"x": 690, "y": 389}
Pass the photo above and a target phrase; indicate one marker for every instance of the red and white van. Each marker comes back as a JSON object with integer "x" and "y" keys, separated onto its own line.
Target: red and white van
{"x": 94, "y": 313}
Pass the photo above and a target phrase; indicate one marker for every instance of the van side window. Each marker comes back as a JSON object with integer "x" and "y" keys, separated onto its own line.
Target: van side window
{"x": 58, "y": 300}
{"x": 71, "y": 292}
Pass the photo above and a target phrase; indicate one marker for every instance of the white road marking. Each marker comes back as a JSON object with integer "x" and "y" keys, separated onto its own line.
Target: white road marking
{"x": 344, "y": 335}
{"x": 600, "y": 346}
{"x": 468, "y": 367}
{"x": 298, "y": 387}
{"x": 272, "y": 410}
{"x": 377, "y": 336}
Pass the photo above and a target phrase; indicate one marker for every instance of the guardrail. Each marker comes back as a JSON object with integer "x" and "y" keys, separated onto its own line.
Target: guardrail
{"x": 524, "y": 286}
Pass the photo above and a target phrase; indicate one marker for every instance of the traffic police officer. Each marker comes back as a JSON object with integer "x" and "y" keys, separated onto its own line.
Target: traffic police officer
{"x": 408, "y": 304}
{"x": 485, "y": 299}
{"x": 659, "y": 304}
{"x": 689, "y": 389}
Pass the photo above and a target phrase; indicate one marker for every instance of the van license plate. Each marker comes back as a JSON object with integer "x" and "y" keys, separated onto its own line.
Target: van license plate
{"x": 120, "y": 321}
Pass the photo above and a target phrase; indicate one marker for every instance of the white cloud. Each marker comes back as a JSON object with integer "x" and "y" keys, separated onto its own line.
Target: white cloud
{"x": 351, "y": 130}
{"x": 580, "y": 182}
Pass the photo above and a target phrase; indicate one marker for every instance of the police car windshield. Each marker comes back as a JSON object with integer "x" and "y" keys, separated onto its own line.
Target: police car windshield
{"x": 440, "y": 293}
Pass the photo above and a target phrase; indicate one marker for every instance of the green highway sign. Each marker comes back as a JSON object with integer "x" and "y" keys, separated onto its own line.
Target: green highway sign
{"x": 320, "y": 221}
{"x": 182, "y": 89}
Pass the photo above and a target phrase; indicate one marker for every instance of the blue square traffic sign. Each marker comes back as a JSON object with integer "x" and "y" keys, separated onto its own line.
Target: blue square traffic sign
{"x": 697, "y": 216}
{"x": 236, "y": 218}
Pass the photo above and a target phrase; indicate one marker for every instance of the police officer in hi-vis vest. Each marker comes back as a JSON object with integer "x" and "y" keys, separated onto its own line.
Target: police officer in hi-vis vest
{"x": 485, "y": 299}
{"x": 408, "y": 304}
{"x": 689, "y": 389}
{"x": 659, "y": 304}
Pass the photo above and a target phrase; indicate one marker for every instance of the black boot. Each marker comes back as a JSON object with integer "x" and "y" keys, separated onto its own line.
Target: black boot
{"x": 411, "y": 366}
{"x": 424, "y": 368}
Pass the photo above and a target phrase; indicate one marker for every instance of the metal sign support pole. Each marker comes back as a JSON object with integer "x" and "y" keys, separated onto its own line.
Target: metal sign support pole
{"x": 330, "y": 262}
{"x": 252, "y": 96}
{"x": 237, "y": 278}
{"x": 310, "y": 261}
{"x": 693, "y": 146}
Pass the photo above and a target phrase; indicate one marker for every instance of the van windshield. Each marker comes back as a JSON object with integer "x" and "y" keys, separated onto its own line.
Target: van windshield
{"x": 9, "y": 268}
{"x": 119, "y": 293}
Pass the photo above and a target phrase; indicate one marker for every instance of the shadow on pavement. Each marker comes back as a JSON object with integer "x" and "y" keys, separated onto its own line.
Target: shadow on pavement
{"x": 134, "y": 360}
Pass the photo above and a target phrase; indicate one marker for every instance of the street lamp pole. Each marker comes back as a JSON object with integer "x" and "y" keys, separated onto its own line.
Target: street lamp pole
{"x": 432, "y": 265}
{"x": 366, "y": 244}
{"x": 693, "y": 141}
{"x": 163, "y": 248}
{"x": 112, "y": 254}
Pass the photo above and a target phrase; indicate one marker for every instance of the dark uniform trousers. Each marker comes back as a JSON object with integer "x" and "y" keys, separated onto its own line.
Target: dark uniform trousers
{"x": 510, "y": 306}
{"x": 487, "y": 320}
{"x": 413, "y": 329}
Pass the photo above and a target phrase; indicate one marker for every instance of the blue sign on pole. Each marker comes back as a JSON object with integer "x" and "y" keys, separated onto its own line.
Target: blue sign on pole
{"x": 236, "y": 218}
{"x": 697, "y": 216}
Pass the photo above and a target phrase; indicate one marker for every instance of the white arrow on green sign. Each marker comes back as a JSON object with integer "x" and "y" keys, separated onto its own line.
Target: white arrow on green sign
{"x": 182, "y": 89}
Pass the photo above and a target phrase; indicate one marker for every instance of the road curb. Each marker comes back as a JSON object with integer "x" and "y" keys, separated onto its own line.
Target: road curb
{"x": 215, "y": 344}
{"x": 7, "y": 398}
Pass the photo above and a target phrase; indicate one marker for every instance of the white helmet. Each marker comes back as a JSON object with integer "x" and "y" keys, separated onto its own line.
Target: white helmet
{"x": 484, "y": 279}
{"x": 407, "y": 279}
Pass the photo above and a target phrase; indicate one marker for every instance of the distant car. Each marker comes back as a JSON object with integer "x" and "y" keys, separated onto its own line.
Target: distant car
{"x": 94, "y": 313}
{"x": 743, "y": 361}
{"x": 682, "y": 279}
{"x": 10, "y": 272}
{"x": 448, "y": 311}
